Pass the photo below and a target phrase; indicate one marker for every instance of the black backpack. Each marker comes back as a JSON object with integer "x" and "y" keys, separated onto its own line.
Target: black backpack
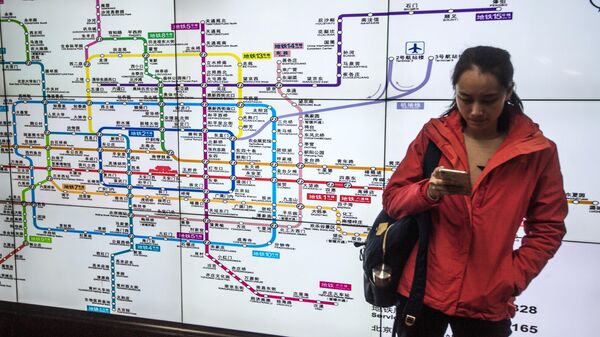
{"x": 391, "y": 241}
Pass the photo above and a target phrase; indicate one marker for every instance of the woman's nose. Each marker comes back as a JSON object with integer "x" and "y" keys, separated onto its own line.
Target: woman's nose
{"x": 477, "y": 109}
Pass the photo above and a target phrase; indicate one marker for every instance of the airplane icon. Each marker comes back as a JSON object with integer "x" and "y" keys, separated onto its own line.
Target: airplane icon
{"x": 415, "y": 48}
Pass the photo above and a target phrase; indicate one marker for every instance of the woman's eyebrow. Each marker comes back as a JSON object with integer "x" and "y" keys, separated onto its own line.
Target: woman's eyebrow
{"x": 492, "y": 94}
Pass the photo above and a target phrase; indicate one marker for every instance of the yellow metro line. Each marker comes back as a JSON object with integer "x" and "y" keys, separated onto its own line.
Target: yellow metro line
{"x": 113, "y": 55}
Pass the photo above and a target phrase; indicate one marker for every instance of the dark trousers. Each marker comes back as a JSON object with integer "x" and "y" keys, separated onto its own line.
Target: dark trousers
{"x": 434, "y": 323}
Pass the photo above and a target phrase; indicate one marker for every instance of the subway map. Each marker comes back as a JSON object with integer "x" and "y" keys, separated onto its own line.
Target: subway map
{"x": 213, "y": 162}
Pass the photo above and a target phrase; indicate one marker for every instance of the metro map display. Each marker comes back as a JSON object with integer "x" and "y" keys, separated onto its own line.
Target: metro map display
{"x": 213, "y": 162}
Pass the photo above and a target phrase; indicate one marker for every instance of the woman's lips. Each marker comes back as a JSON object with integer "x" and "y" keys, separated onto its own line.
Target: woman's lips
{"x": 477, "y": 121}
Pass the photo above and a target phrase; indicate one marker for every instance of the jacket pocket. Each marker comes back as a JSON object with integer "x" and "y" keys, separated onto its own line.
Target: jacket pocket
{"x": 515, "y": 278}
{"x": 503, "y": 289}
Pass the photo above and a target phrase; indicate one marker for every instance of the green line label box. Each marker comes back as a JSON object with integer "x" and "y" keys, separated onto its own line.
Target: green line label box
{"x": 161, "y": 35}
{"x": 40, "y": 239}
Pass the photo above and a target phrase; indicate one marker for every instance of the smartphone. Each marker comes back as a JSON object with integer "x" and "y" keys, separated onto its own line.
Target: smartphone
{"x": 460, "y": 179}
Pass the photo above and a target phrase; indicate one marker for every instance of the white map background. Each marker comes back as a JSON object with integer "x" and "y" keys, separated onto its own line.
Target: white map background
{"x": 280, "y": 258}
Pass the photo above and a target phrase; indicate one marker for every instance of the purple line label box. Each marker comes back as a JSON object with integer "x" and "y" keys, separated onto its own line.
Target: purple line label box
{"x": 288, "y": 45}
{"x": 185, "y": 26}
{"x": 282, "y": 53}
{"x": 190, "y": 236}
{"x": 335, "y": 285}
{"x": 410, "y": 106}
{"x": 494, "y": 16}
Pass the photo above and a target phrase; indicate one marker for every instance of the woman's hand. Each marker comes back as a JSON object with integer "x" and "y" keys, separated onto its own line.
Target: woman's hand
{"x": 438, "y": 186}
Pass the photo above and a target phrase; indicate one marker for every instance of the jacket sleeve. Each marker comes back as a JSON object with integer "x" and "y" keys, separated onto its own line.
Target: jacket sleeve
{"x": 405, "y": 193}
{"x": 544, "y": 225}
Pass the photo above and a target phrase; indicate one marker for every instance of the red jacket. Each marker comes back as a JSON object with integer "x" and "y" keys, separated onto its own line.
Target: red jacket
{"x": 472, "y": 269}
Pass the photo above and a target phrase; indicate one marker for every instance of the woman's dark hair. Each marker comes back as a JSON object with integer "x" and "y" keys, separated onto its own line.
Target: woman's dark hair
{"x": 495, "y": 61}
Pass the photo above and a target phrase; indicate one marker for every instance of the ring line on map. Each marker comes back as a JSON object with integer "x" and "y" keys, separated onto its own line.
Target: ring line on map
{"x": 162, "y": 130}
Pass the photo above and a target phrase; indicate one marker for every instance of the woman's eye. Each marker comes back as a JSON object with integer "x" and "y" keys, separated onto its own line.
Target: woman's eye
{"x": 489, "y": 100}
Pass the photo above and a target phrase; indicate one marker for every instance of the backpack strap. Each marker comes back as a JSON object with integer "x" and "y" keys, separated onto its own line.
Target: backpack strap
{"x": 431, "y": 159}
{"x": 408, "y": 315}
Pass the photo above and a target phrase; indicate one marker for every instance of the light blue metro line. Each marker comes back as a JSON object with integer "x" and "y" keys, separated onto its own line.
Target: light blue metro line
{"x": 122, "y": 103}
{"x": 158, "y": 238}
{"x": 100, "y": 153}
{"x": 45, "y": 102}
{"x": 128, "y": 147}
{"x": 228, "y": 244}
{"x": 113, "y": 279}
{"x": 101, "y": 134}
{"x": 129, "y": 202}
{"x": 14, "y": 119}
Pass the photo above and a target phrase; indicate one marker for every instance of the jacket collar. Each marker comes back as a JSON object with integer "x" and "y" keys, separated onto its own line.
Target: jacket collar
{"x": 523, "y": 137}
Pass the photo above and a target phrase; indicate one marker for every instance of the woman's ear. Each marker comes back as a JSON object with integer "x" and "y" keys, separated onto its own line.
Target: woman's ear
{"x": 510, "y": 92}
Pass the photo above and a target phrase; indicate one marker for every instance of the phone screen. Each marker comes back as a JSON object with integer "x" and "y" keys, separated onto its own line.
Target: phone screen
{"x": 457, "y": 178}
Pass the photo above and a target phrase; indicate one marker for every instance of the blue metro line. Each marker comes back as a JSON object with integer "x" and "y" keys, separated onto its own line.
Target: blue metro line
{"x": 32, "y": 181}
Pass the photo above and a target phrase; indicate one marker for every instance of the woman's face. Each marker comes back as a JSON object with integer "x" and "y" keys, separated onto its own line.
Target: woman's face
{"x": 480, "y": 100}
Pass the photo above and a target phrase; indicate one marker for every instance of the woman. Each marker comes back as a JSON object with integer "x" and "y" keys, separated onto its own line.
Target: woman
{"x": 473, "y": 273}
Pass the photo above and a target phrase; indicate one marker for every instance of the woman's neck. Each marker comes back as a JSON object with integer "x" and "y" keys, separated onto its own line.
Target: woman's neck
{"x": 483, "y": 135}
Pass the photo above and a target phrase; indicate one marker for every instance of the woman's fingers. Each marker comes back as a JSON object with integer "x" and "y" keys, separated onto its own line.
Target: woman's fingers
{"x": 439, "y": 187}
